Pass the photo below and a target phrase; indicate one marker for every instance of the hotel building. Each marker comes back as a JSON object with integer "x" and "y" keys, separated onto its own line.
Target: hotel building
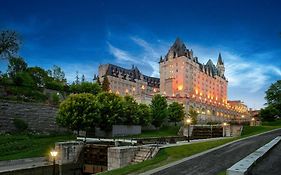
{"x": 184, "y": 79}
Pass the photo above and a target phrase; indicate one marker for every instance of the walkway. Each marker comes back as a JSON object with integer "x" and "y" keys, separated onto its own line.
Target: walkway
{"x": 218, "y": 160}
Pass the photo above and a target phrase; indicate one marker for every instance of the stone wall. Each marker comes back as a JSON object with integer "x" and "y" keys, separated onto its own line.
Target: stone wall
{"x": 120, "y": 156}
{"x": 39, "y": 117}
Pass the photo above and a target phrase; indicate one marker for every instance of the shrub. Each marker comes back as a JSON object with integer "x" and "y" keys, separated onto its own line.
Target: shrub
{"x": 20, "y": 124}
{"x": 55, "y": 98}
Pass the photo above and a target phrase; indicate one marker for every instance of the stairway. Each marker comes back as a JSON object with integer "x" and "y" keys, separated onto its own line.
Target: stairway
{"x": 143, "y": 154}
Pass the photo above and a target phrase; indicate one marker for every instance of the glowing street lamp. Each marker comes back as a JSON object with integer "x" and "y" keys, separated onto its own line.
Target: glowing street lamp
{"x": 224, "y": 128}
{"x": 188, "y": 122}
{"x": 54, "y": 154}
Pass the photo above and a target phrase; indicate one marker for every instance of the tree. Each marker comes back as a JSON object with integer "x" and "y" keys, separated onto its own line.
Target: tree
{"x": 83, "y": 78}
{"x": 130, "y": 110}
{"x": 158, "y": 110}
{"x": 85, "y": 87}
{"x": 193, "y": 114}
{"x": 144, "y": 114}
{"x": 269, "y": 113}
{"x": 105, "y": 84}
{"x": 24, "y": 79}
{"x": 77, "y": 78}
{"x": 79, "y": 112}
{"x": 175, "y": 112}
{"x": 16, "y": 64}
{"x": 111, "y": 111}
{"x": 9, "y": 43}
{"x": 273, "y": 95}
{"x": 39, "y": 75}
{"x": 57, "y": 74}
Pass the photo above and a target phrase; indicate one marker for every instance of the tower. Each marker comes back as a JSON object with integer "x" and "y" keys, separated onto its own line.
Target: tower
{"x": 220, "y": 66}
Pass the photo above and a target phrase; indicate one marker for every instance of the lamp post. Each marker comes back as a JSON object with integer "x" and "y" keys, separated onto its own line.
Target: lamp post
{"x": 253, "y": 120}
{"x": 54, "y": 153}
{"x": 224, "y": 129}
{"x": 188, "y": 122}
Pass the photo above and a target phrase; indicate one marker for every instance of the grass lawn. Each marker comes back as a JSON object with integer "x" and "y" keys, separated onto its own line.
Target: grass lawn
{"x": 162, "y": 132}
{"x": 168, "y": 155}
{"x": 24, "y": 146}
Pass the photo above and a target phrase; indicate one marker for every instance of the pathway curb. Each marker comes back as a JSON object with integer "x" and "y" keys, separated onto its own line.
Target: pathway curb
{"x": 202, "y": 153}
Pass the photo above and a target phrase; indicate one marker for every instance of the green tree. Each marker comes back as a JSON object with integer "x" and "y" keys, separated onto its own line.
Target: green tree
{"x": 105, "y": 84}
{"x": 158, "y": 110}
{"x": 24, "y": 79}
{"x": 79, "y": 112}
{"x": 16, "y": 64}
{"x": 273, "y": 95}
{"x": 83, "y": 79}
{"x": 9, "y": 43}
{"x": 175, "y": 112}
{"x": 111, "y": 111}
{"x": 144, "y": 114}
{"x": 268, "y": 113}
{"x": 130, "y": 110}
{"x": 39, "y": 75}
{"x": 57, "y": 74}
{"x": 193, "y": 114}
{"x": 85, "y": 87}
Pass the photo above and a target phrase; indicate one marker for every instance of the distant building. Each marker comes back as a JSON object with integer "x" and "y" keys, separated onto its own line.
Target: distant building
{"x": 184, "y": 79}
{"x": 130, "y": 82}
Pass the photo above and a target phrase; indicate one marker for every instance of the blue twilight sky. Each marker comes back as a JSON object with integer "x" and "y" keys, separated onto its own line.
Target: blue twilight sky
{"x": 80, "y": 35}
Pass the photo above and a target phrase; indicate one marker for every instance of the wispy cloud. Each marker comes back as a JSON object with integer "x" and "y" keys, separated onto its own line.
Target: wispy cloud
{"x": 120, "y": 55}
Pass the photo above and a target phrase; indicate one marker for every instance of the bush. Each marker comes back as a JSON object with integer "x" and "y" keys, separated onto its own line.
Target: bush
{"x": 24, "y": 79}
{"x": 55, "y": 98}
{"x": 54, "y": 85}
{"x": 20, "y": 124}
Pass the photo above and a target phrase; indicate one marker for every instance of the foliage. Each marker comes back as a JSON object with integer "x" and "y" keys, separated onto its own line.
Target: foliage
{"x": 16, "y": 64}
{"x": 176, "y": 112}
{"x": 55, "y": 98}
{"x": 20, "y": 124}
{"x": 130, "y": 111}
{"x": 78, "y": 112}
{"x": 24, "y": 79}
{"x": 85, "y": 87}
{"x": 111, "y": 111}
{"x": 55, "y": 85}
{"x": 193, "y": 114}
{"x": 273, "y": 95}
{"x": 158, "y": 110}
{"x": 57, "y": 74}
{"x": 39, "y": 75}
{"x": 105, "y": 84}
{"x": 98, "y": 81}
{"x": 268, "y": 113}
{"x": 9, "y": 43}
{"x": 144, "y": 114}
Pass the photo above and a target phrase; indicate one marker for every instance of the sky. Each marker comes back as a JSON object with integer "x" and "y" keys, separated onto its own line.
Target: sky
{"x": 81, "y": 35}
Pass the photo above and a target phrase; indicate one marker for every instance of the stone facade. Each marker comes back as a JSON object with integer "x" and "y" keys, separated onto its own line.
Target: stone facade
{"x": 39, "y": 117}
{"x": 129, "y": 82}
{"x": 202, "y": 87}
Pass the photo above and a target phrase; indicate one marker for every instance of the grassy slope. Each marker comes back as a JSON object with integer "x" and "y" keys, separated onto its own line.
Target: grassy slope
{"x": 168, "y": 155}
{"x": 162, "y": 132}
{"x": 24, "y": 146}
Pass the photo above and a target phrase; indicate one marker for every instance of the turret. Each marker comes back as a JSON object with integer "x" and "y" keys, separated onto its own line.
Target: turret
{"x": 220, "y": 66}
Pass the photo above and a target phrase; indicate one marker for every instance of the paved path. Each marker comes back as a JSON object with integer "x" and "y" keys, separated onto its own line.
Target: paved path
{"x": 270, "y": 164}
{"x": 218, "y": 160}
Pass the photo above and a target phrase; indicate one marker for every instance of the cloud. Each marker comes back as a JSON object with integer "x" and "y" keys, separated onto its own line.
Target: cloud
{"x": 240, "y": 71}
{"x": 120, "y": 54}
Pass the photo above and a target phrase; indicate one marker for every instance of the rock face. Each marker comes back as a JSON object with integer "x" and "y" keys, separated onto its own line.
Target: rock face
{"x": 39, "y": 117}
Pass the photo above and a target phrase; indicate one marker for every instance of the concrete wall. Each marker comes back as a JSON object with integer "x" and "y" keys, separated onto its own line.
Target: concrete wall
{"x": 68, "y": 152}
{"x": 120, "y": 156}
{"x": 119, "y": 130}
{"x": 40, "y": 117}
